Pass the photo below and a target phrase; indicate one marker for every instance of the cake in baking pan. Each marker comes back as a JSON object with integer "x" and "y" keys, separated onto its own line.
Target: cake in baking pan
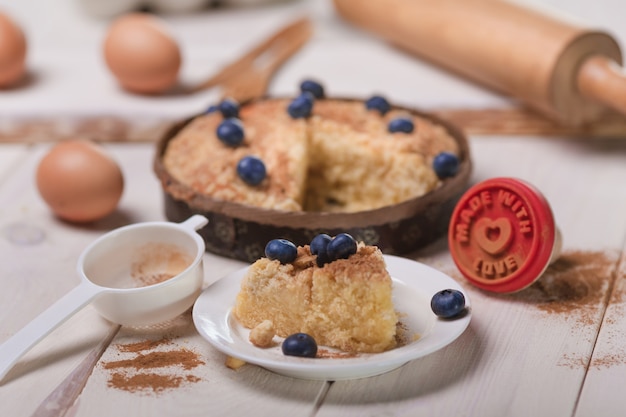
{"x": 298, "y": 166}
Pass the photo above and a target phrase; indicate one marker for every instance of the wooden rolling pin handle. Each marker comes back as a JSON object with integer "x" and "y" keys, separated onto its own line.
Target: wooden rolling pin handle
{"x": 603, "y": 80}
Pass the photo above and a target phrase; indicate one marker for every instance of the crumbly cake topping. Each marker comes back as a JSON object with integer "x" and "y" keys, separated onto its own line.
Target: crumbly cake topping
{"x": 366, "y": 264}
{"x": 197, "y": 158}
{"x": 340, "y": 159}
{"x": 304, "y": 259}
{"x": 362, "y": 263}
{"x": 427, "y": 139}
{"x": 263, "y": 334}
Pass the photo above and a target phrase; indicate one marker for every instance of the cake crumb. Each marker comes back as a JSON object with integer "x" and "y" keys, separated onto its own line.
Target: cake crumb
{"x": 234, "y": 363}
{"x": 263, "y": 334}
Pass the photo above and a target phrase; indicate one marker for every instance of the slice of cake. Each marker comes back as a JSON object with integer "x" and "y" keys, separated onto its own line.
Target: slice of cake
{"x": 345, "y": 304}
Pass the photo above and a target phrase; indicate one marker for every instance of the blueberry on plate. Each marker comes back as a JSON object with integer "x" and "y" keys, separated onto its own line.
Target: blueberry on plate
{"x": 301, "y": 106}
{"x": 318, "y": 247}
{"x": 400, "y": 124}
{"x": 230, "y": 132}
{"x": 299, "y": 344}
{"x": 312, "y": 87}
{"x": 229, "y": 108}
{"x": 281, "y": 250}
{"x": 446, "y": 165}
{"x": 448, "y": 303}
{"x": 341, "y": 247}
{"x": 378, "y": 103}
{"x": 251, "y": 170}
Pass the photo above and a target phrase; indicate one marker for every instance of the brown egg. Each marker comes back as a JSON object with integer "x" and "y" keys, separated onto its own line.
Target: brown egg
{"x": 141, "y": 53}
{"x": 79, "y": 181}
{"x": 12, "y": 51}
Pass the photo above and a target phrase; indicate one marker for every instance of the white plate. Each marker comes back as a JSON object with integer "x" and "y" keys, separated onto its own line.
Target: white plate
{"x": 413, "y": 286}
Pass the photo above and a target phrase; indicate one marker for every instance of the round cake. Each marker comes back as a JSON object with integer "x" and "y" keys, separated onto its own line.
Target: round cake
{"x": 339, "y": 167}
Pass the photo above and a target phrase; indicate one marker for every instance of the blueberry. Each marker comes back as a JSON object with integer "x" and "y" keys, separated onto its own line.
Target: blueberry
{"x": 281, "y": 250}
{"x": 312, "y": 87}
{"x": 378, "y": 103}
{"x": 318, "y": 247}
{"x": 300, "y": 344}
{"x": 448, "y": 303}
{"x": 341, "y": 247}
{"x": 446, "y": 165}
{"x": 301, "y": 106}
{"x": 401, "y": 124}
{"x": 230, "y": 132}
{"x": 251, "y": 170}
{"x": 319, "y": 243}
{"x": 229, "y": 108}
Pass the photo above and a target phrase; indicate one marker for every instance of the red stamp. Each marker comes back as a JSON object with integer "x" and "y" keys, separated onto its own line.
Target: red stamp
{"x": 502, "y": 234}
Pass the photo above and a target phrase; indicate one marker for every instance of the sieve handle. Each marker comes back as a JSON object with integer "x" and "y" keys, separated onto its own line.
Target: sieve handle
{"x": 20, "y": 343}
{"x": 194, "y": 223}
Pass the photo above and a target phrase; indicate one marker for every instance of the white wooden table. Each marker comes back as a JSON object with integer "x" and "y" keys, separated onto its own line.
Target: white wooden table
{"x": 555, "y": 349}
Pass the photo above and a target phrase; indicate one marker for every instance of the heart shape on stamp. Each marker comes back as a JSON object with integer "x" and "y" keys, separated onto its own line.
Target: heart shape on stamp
{"x": 493, "y": 236}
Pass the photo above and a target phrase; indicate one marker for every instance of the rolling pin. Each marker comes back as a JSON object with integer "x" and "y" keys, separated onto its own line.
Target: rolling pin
{"x": 565, "y": 70}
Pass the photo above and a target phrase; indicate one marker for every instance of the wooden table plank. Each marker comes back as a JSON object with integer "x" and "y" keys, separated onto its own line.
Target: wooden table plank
{"x": 511, "y": 121}
{"x": 607, "y": 369}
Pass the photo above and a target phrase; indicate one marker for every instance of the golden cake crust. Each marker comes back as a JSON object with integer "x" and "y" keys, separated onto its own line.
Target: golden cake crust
{"x": 340, "y": 159}
{"x": 346, "y": 304}
{"x": 197, "y": 158}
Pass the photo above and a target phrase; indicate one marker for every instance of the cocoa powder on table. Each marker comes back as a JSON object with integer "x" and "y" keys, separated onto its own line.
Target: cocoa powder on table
{"x": 145, "y": 345}
{"x": 577, "y": 279}
{"x": 145, "y": 381}
{"x": 183, "y": 358}
{"x": 577, "y": 287}
{"x": 132, "y": 374}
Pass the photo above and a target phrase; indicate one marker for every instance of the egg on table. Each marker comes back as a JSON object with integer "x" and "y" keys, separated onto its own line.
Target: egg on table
{"x": 79, "y": 181}
{"x": 12, "y": 51}
{"x": 142, "y": 54}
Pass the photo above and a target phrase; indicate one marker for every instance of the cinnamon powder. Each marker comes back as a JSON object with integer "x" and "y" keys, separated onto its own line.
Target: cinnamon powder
{"x": 184, "y": 358}
{"x": 145, "y": 345}
{"x": 578, "y": 286}
{"x": 131, "y": 374}
{"x": 158, "y": 262}
{"x": 575, "y": 284}
{"x": 144, "y": 381}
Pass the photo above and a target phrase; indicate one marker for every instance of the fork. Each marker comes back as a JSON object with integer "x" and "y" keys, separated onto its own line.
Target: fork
{"x": 249, "y": 76}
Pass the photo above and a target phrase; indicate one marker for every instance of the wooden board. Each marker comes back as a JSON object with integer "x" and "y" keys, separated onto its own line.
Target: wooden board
{"x": 512, "y": 121}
